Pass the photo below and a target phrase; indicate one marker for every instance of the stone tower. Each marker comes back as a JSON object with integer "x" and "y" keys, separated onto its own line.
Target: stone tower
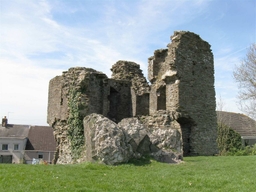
{"x": 180, "y": 99}
{"x": 182, "y": 78}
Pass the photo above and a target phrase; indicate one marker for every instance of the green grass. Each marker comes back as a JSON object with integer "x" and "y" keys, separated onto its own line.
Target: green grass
{"x": 224, "y": 173}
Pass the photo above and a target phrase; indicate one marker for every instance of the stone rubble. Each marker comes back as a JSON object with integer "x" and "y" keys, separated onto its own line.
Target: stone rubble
{"x": 111, "y": 143}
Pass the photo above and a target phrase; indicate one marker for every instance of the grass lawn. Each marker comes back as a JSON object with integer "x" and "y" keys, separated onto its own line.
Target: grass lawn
{"x": 200, "y": 174}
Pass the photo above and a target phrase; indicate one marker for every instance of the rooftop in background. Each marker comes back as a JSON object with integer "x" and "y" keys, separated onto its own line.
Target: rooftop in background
{"x": 14, "y": 131}
{"x": 41, "y": 138}
{"x": 241, "y": 123}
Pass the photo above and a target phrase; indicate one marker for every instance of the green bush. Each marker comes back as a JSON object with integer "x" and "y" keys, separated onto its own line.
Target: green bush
{"x": 229, "y": 141}
{"x": 248, "y": 150}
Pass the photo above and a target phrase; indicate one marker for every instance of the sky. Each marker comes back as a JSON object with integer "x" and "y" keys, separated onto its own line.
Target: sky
{"x": 39, "y": 39}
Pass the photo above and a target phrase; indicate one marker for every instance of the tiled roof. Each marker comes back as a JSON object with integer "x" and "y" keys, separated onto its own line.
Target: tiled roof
{"x": 17, "y": 131}
{"x": 241, "y": 123}
{"x": 41, "y": 138}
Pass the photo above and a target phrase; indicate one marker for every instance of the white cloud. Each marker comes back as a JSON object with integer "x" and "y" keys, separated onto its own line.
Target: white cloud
{"x": 24, "y": 91}
{"x": 37, "y": 44}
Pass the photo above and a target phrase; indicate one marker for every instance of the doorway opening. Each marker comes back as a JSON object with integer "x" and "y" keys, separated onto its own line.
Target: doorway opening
{"x": 186, "y": 125}
{"x": 114, "y": 100}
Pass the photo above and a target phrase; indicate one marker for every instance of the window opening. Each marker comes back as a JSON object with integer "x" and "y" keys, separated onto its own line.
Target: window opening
{"x": 4, "y": 147}
{"x": 161, "y": 98}
{"x": 16, "y": 146}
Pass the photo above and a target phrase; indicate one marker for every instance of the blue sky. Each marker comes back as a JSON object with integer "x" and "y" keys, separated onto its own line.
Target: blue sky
{"x": 41, "y": 38}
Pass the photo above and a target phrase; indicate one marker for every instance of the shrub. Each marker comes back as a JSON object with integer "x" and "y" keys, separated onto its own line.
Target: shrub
{"x": 229, "y": 141}
{"x": 248, "y": 150}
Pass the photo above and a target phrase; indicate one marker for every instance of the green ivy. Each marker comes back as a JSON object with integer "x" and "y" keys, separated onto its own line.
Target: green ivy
{"x": 229, "y": 141}
{"x": 75, "y": 122}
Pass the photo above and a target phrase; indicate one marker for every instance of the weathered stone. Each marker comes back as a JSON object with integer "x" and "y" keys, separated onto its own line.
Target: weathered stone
{"x": 86, "y": 81}
{"x": 112, "y": 144}
{"x": 164, "y": 131}
{"x": 92, "y": 92}
{"x": 149, "y": 141}
{"x": 182, "y": 78}
{"x": 130, "y": 71}
{"x": 167, "y": 157}
{"x": 137, "y": 136}
{"x": 105, "y": 141}
{"x": 134, "y": 131}
{"x": 63, "y": 154}
{"x": 177, "y": 110}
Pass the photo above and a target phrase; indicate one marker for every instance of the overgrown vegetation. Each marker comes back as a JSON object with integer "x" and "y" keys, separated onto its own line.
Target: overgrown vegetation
{"x": 221, "y": 173}
{"x": 247, "y": 150}
{"x": 75, "y": 122}
{"x": 230, "y": 142}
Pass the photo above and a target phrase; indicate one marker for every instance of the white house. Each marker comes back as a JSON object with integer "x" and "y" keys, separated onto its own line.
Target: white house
{"x": 23, "y": 143}
{"x": 13, "y": 140}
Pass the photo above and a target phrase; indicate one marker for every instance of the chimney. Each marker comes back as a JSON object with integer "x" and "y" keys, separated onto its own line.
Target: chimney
{"x": 4, "y": 122}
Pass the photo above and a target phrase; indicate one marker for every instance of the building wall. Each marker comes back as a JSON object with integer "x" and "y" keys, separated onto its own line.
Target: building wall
{"x": 17, "y": 155}
{"x": 141, "y": 104}
{"x": 47, "y": 156}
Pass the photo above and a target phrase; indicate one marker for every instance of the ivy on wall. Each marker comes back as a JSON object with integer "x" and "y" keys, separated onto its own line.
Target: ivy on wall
{"x": 75, "y": 122}
{"x": 229, "y": 141}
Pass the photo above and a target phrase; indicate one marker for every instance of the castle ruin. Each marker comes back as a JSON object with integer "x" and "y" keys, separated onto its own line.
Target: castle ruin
{"x": 180, "y": 96}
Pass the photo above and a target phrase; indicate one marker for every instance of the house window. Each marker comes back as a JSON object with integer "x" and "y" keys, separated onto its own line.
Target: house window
{"x": 4, "y": 147}
{"x": 16, "y": 146}
{"x": 40, "y": 156}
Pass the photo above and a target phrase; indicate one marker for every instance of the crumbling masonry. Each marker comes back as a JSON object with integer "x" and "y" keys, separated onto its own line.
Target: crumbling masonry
{"x": 181, "y": 96}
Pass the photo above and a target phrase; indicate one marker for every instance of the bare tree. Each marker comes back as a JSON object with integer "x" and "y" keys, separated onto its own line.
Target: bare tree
{"x": 245, "y": 76}
{"x": 219, "y": 108}
{"x": 220, "y": 104}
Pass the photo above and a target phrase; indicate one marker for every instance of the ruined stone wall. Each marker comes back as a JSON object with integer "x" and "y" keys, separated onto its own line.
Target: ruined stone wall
{"x": 180, "y": 102}
{"x": 130, "y": 71}
{"x": 85, "y": 81}
{"x": 57, "y": 105}
{"x": 140, "y": 104}
{"x": 75, "y": 94}
{"x": 187, "y": 73}
{"x": 157, "y": 65}
{"x": 119, "y": 99}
